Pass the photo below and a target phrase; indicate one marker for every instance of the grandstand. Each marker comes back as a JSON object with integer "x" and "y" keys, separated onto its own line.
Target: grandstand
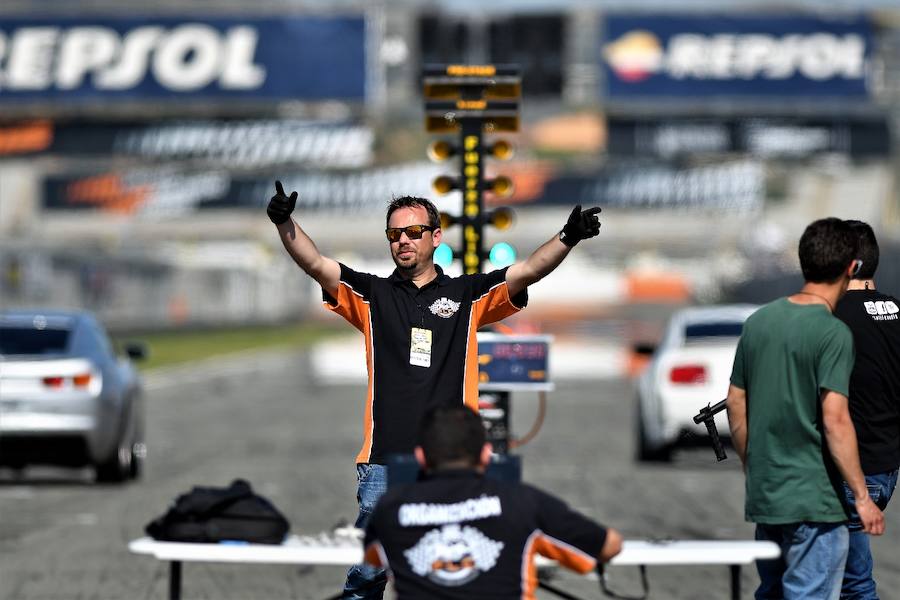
{"x": 136, "y": 138}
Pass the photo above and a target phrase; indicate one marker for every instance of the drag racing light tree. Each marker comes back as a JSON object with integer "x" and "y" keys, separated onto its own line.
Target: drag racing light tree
{"x": 472, "y": 100}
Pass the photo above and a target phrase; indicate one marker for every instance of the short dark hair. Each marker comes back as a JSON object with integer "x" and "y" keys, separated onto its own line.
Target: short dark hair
{"x": 434, "y": 218}
{"x": 451, "y": 434}
{"x": 867, "y": 250}
{"x": 826, "y": 248}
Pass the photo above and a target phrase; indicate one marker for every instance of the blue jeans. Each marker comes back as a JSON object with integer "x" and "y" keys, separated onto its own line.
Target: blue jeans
{"x": 365, "y": 581}
{"x": 811, "y": 565}
{"x": 858, "y": 582}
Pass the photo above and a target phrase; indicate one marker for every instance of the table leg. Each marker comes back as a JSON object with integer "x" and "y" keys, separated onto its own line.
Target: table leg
{"x": 735, "y": 582}
{"x": 175, "y": 580}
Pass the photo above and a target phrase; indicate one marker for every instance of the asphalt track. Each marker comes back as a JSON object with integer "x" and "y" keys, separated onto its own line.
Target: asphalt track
{"x": 263, "y": 418}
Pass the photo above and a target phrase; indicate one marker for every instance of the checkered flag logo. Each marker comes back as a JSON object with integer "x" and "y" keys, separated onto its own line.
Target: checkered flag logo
{"x": 453, "y": 555}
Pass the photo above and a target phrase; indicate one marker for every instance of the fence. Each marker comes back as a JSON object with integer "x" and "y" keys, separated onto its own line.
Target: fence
{"x": 146, "y": 289}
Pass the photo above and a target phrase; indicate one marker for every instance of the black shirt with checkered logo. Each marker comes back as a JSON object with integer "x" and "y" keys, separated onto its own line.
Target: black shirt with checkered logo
{"x": 404, "y": 384}
{"x": 457, "y": 534}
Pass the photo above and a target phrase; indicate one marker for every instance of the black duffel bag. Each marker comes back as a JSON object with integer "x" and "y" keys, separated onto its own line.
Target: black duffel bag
{"x": 211, "y": 514}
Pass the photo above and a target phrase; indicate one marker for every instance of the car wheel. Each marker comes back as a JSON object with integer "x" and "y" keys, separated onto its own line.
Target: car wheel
{"x": 118, "y": 467}
{"x": 646, "y": 452}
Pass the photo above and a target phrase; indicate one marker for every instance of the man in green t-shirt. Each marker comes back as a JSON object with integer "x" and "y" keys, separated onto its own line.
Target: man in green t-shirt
{"x": 790, "y": 425}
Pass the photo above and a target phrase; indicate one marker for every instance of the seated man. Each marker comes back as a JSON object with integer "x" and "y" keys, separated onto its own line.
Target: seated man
{"x": 457, "y": 534}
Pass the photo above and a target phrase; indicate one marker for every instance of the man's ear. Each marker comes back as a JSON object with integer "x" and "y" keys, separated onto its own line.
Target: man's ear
{"x": 485, "y": 457}
{"x": 420, "y": 456}
{"x": 436, "y": 236}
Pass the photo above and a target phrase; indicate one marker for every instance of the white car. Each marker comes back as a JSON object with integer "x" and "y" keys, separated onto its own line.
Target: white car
{"x": 66, "y": 397}
{"x": 690, "y": 369}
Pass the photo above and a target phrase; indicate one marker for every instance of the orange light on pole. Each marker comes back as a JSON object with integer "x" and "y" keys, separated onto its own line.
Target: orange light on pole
{"x": 443, "y": 185}
{"x": 501, "y": 186}
{"x": 501, "y": 218}
{"x": 502, "y": 150}
{"x": 448, "y": 220}
{"x": 441, "y": 150}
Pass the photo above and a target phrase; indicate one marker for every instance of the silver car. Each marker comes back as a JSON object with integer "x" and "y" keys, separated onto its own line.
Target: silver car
{"x": 66, "y": 397}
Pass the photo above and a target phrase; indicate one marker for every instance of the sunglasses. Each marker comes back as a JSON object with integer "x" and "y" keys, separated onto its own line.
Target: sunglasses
{"x": 857, "y": 267}
{"x": 413, "y": 232}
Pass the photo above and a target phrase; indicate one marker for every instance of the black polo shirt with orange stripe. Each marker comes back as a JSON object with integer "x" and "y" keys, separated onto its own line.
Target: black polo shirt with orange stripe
{"x": 390, "y": 311}
{"x": 457, "y": 534}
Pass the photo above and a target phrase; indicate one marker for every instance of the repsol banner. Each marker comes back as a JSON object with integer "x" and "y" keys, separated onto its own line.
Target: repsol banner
{"x": 306, "y": 58}
{"x": 656, "y": 56}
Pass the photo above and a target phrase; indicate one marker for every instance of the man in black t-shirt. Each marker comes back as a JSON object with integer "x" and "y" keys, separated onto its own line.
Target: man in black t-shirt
{"x": 419, "y": 329}
{"x": 874, "y": 319}
{"x": 456, "y": 534}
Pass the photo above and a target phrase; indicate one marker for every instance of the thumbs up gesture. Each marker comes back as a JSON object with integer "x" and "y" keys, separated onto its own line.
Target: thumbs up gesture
{"x": 582, "y": 224}
{"x": 281, "y": 205}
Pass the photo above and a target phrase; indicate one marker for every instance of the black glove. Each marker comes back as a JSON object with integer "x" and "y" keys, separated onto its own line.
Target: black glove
{"x": 280, "y": 206}
{"x": 582, "y": 224}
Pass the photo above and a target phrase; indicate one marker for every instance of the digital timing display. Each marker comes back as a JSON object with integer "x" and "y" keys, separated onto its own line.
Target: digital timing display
{"x": 513, "y": 361}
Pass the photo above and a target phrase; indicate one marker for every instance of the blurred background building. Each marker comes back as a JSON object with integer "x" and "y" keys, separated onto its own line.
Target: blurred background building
{"x": 139, "y": 143}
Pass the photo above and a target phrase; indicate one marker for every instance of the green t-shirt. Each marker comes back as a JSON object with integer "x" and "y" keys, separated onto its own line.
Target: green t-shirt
{"x": 787, "y": 354}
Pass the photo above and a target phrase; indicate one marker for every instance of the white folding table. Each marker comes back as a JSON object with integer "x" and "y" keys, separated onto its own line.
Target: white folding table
{"x": 345, "y": 548}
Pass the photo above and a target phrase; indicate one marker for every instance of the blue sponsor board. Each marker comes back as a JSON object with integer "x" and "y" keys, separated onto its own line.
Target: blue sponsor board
{"x": 698, "y": 57}
{"x": 303, "y": 58}
{"x": 513, "y": 362}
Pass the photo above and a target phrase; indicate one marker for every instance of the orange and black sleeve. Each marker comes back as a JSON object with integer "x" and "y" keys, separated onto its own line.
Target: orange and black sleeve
{"x": 352, "y": 302}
